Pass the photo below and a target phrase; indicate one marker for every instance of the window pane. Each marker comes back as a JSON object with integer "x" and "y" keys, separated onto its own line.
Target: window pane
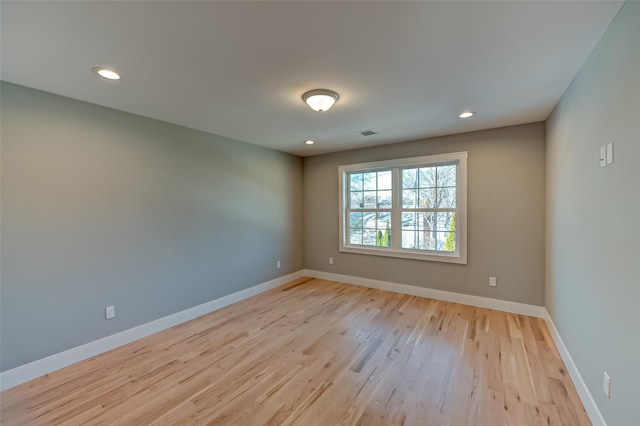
{"x": 383, "y": 235}
{"x": 384, "y": 180}
{"x": 355, "y": 236}
{"x": 384, "y": 199}
{"x": 355, "y": 181}
{"x": 426, "y": 221}
{"x": 427, "y": 240}
{"x": 410, "y": 178}
{"x": 417, "y": 239}
{"x": 409, "y": 221}
{"x": 355, "y": 220}
{"x": 441, "y": 241}
{"x": 369, "y": 220}
{"x": 446, "y": 198}
{"x": 384, "y": 217}
{"x": 447, "y": 175}
{"x": 370, "y": 201}
{"x": 427, "y": 198}
{"x": 409, "y": 240}
{"x": 417, "y": 231}
{"x": 356, "y": 200}
{"x": 444, "y": 222}
{"x": 449, "y": 241}
{"x": 419, "y": 221}
{"x": 369, "y": 180}
{"x": 409, "y": 199}
{"x": 369, "y": 237}
{"x": 427, "y": 177}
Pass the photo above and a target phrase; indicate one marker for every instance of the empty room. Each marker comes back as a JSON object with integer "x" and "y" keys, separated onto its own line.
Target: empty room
{"x": 320, "y": 213}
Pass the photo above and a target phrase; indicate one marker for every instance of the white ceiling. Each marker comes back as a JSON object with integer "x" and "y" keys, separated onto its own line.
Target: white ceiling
{"x": 238, "y": 69}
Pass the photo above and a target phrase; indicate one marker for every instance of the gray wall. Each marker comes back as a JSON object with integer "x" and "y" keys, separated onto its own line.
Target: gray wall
{"x": 505, "y": 216}
{"x": 101, "y": 207}
{"x": 593, "y": 253}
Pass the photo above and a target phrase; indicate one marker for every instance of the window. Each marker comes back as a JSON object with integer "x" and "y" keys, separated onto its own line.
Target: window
{"x": 412, "y": 207}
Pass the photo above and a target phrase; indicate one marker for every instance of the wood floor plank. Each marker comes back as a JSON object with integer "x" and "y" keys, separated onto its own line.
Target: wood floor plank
{"x": 317, "y": 352}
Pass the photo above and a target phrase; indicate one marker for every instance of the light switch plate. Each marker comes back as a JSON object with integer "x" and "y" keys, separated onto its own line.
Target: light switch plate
{"x": 109, "y": 312}
{"x": 603, "y": 156}
{"x": 606, "y": 385}
{"x": 609, "y": 153}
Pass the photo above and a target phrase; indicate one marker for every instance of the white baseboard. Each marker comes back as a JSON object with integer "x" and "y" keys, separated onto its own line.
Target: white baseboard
{"x": 32, "y": 370}
{"x": 585, "y": 396}
{"x": 465, "y": 299}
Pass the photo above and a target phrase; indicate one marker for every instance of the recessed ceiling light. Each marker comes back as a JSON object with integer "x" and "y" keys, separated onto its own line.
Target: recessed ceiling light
{"x": 107, "y": 73}
{"x": 309, "y": 142}
{"x": 467, "y": 114}
{"x": 320, "y": 99}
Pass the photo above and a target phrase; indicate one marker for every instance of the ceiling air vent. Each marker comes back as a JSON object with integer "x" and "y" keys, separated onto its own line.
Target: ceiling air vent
{"x": 368, "y": 132}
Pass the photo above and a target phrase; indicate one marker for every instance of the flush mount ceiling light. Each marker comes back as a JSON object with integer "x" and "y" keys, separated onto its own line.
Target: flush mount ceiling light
{"x": 309, "y": 142}
{"x": 467, "y": 114}
{"x": 320, "y": 99}
{"x": 106, "y": 73}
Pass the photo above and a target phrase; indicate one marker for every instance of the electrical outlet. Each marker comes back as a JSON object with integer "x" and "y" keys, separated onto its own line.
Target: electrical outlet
{"x": 492, "y": 282}
{"x": 109, "y": 312}
{"x": 331, "y": 261}
{"x": 278, "y": 264}
{"x": 606, "y": 385}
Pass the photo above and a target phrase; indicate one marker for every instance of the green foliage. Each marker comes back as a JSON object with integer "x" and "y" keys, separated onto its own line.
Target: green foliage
{"x": 386, "y": 239}
{"x": 450, "y": 243}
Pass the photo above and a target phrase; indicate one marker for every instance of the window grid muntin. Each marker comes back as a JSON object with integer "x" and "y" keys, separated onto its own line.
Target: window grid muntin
{"x": 397, "y": 201}
{"x": 371, "y": 184}
{"x": 435, "y": 231}
{"x": 428, "y": 178}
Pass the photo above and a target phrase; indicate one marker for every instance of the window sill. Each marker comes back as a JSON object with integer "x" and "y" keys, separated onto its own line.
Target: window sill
{"x": 444, "y": 257}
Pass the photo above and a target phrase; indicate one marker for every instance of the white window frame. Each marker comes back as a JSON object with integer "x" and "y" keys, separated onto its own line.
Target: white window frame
{"x": 458, "y": 256}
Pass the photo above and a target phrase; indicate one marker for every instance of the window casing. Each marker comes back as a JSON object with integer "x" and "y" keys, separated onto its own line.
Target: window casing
{"x": 411, "y": 208}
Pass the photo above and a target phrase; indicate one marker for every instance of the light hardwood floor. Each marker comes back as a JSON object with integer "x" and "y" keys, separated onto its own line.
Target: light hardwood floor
{"x": 317, "y": 352}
